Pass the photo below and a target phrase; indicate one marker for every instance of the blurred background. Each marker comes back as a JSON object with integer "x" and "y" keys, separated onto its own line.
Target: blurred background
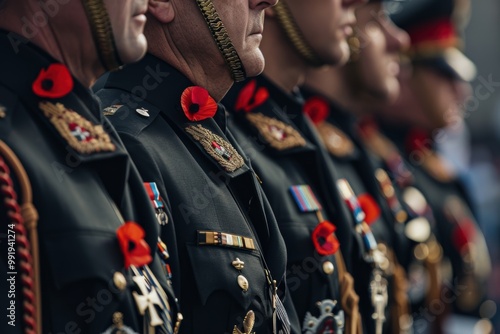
{"x": 475, "y": 147}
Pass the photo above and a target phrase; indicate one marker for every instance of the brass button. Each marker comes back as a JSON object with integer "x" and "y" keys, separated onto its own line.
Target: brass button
{"x": 243, "y": 283}
{"x": 328, "y": 268}
{"x": 120, "y": 281}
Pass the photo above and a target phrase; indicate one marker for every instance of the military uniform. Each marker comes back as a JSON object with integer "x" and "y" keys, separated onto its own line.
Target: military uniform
{"x": 229, "y": 246}
{"x": 337, "y": 130}
{"x": 84, "y": 189}
{"x": 456, "y": 227}
{"x": 300, "y": 191}
{"x": 434, "y": 29}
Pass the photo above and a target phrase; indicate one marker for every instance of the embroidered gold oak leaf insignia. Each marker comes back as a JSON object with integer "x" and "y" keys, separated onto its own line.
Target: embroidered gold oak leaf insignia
{"x": 217, "y": 147}
{"x": 83, "y": 136}
{"x": 335, "y": 140}
{"x": 276, "y": 133}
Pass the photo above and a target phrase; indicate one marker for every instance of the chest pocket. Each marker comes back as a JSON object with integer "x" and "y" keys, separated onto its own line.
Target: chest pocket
{"x": 214, "y": 271}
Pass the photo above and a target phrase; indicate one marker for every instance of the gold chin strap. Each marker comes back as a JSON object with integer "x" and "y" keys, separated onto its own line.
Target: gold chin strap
{"x": 102, "y": 31}
{"x": 295, "y": 36}
{"x": 222, "y": 39}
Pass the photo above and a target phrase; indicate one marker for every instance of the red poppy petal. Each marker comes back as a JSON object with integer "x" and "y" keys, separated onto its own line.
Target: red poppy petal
{"x": 54, "y": 82}
{"x": 199, "y": 96}
{"x": 317, "y": 109}
{"x": 463, "y": 234}
{"x": 418, "y": 140}
{"x": 325, "y": 242}
{"x": 367, "y": 127}
{"x": 205, "y": 110}
{"x": 260, "y": 97}
{"x": 132, "y": 234}
{"x": 369, "y": 207}
{"x": 245, "y": 95}
{"x": 140, "y": 255}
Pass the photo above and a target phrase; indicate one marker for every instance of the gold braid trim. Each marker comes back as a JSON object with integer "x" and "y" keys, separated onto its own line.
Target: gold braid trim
{"x": 295, "y": 36}
{"x": 221, "y": 38}
{"x": 33, "y": 311}
{"x": 103, "y": 33}
{"x": 349, "y": 300}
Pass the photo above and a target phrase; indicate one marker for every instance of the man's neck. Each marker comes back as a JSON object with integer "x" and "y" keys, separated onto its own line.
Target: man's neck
{"x": 82, "y": 61}
{"x": 284, "y": 66}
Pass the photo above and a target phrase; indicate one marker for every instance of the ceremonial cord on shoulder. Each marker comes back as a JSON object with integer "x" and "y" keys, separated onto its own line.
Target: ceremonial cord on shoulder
{"x": 24, "y": 217}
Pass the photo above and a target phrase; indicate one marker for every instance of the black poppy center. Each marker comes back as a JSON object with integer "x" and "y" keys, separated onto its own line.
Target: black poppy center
{"x": 194, "y": 108}
{"x": 47, "y": 84}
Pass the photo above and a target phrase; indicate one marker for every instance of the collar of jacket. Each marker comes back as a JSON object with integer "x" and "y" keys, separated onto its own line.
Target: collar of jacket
{"x": 280, "y": 105}
{"x": 21, "y": 63}
{"x": 161, "y": 86}
{"x": 339, "y": 117}
{"x": 165, "y": 98}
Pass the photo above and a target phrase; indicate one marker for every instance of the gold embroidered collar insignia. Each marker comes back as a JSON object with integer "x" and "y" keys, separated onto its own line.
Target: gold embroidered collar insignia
{"x": 276, "y": 133}
{"x": 217, "y": 147}
{"x": 83, "y": 136}
{"x": 335, "y": 140}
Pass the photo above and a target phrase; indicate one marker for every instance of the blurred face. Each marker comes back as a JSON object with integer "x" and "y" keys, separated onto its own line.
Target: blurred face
{"x": 326, "y": 25}
{"x": 428, "y": 99}
{"x": 127, "y": 21}
{"x": 244, "y": 21}
{"x": 381, "y": 42}
{"x": 441, "y": 96}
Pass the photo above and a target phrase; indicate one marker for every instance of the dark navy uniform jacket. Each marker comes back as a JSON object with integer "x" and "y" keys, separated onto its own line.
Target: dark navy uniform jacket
{"x": 456, "y": 227}
{"x": 81, "y": 198}
{"x": 204, "y": 197}
{"x": 283, "y": 156}
{"x": 354, "y": 164}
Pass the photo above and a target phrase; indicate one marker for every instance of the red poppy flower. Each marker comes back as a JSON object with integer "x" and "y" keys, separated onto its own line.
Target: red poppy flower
{"x": 324, "y": 240}
{"x": 367, "y": 127}
{"x": 250, "y": 98}
{"x": 54, "y": 82}
{"x": 369, "y": 207}
{"x": 197, "y": 104}
{"x": 317, "y": 109}
{"x": 134, "y": 248}
{"x": 418, "y": 140}
{"x": 463, "y": 234}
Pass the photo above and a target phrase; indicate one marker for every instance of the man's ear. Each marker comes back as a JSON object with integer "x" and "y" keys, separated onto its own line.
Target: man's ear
{"x": 162, "y": 10}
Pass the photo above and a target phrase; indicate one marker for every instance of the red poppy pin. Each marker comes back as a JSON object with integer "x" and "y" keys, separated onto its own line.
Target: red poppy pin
{"x": 134, "y": 248}
{"x": 197, "y": 104}
{"x": 53, "y": 82}
{"x": 369, "y": 207}
{"x": 250, "y": 97}
{"x": 317, "y": 109}
{"x": 463, "y": 234}
{"x": 367, "y": 127}
{"x": 324, "y": 239}
{"x": 418, "y": 140}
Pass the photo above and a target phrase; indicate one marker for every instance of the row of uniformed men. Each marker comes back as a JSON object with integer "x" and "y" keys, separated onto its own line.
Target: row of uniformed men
{"x": 287, "y": 210}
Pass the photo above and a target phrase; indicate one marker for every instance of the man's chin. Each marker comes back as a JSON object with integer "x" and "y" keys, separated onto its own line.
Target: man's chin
{"x": 254, "y": 66}
{"x": 133, "y": 51}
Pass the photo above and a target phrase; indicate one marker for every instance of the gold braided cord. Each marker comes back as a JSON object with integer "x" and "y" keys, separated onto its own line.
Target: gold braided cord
{"x": 295, "y": 36}
{"x": 222, "y": 39}
{"x": 103, "y": 33}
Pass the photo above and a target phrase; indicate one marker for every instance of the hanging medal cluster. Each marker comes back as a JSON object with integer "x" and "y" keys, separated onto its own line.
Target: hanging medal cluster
{"x": 372, "y": 254}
